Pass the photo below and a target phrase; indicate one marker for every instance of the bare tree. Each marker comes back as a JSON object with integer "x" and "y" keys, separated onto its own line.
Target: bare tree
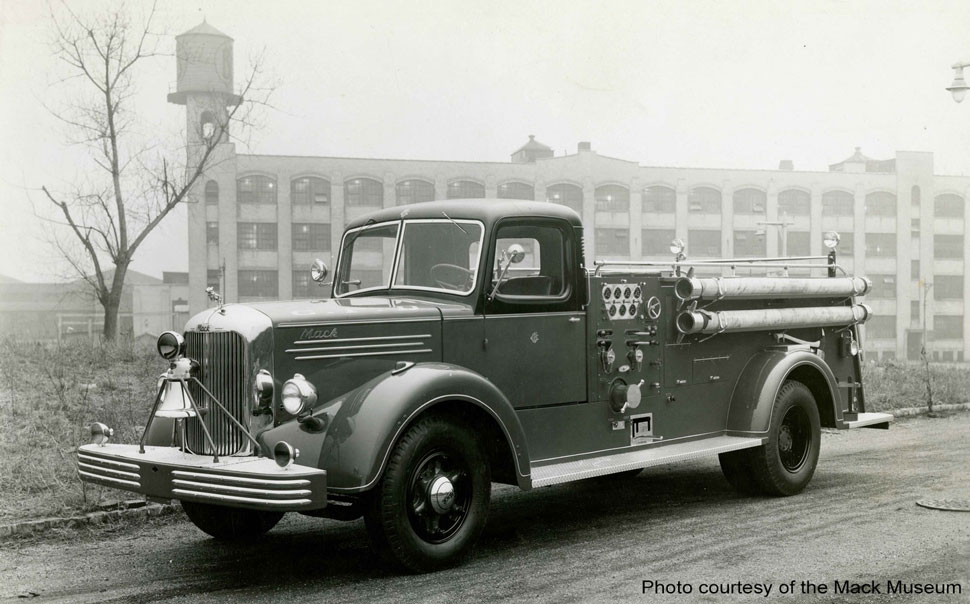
{"x": 133, "y": 184}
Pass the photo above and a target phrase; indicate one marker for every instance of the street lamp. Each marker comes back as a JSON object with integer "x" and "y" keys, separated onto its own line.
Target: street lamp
{"x": 959, "y": 86}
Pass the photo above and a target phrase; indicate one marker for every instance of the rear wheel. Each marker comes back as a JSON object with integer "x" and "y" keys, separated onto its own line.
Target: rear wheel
{"x": 432, "y": 502}
{"x": 230, "y": 524}
{"x": 785, "y": 464}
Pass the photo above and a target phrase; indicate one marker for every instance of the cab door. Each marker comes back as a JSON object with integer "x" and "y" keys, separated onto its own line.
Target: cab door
{"x": 535, "y": 323}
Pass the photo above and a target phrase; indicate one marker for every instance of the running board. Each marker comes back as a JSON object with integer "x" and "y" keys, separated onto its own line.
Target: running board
{"x": 868, "y": 420}
{"x": 658, "y": 455}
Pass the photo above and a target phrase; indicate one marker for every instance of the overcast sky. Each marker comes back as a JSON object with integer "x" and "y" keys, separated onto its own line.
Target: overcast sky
{"x": 682, "y": 83}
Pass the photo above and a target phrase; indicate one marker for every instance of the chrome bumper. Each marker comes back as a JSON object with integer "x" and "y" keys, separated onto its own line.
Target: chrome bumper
{"x": 166, "y": 472}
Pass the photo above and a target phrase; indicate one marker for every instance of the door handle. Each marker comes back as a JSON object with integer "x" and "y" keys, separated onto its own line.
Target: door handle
{"x": 575, "y": 319}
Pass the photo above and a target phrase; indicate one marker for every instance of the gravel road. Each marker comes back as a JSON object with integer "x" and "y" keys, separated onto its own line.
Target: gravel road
{"x": 586, "y": 542}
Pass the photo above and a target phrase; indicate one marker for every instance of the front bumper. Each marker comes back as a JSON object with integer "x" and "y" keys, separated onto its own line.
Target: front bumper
{"x": 165, "y": 472}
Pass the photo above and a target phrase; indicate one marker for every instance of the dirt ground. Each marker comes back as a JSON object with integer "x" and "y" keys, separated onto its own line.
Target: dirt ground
{"x": 586, "y": 542}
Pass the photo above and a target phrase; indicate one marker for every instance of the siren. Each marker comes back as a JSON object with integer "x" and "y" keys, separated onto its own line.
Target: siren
{"x": 175, "y": 400}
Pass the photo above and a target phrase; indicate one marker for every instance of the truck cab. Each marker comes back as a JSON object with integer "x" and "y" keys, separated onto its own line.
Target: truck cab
{"x": 466, "y": 342}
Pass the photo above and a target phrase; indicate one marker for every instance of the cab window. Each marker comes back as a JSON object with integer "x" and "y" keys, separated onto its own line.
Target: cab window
{"x": 541, "y": 275}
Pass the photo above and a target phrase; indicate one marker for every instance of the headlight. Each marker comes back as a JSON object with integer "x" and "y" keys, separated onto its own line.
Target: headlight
{"x": 298, "y": 395}
{"x": 263, "y": 388}
{"x": 170, "y": 344}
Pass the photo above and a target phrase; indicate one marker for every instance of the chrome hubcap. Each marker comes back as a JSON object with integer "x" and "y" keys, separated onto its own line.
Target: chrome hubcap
{"x": 442, "y": 495}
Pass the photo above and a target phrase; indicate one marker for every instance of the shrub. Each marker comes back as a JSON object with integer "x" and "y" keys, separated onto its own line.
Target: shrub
{"x": 49, "y": 394}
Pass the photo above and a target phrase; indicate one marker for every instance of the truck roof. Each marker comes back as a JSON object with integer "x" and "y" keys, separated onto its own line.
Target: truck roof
{"x": 486, "y": 210}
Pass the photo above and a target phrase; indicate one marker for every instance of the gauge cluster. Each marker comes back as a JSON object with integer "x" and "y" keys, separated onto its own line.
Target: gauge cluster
{"x": 622, "y": 300}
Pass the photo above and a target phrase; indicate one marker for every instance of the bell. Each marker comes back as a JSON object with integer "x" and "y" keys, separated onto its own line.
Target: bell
{"x": 175, "y": 402}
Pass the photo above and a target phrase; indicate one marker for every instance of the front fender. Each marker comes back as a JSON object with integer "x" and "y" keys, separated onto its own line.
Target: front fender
{"x": 762, "y": 378}
{"x": 363, "y": 424}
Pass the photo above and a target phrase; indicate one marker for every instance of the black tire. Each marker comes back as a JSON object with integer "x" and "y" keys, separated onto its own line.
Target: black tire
{"x": 785, "y": 464}
{"x": 230, "y": 524}
{"x": 411, "y": 527}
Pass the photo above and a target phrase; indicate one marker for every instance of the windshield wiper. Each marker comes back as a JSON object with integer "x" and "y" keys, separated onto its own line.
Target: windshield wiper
{"x": 454, "y": 223}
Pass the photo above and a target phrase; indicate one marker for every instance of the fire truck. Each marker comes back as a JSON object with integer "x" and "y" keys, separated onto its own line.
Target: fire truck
{"x": 466, "y": 342}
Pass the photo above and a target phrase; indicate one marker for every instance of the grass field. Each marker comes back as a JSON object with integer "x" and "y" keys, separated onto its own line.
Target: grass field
{"x": 49, "y": 394}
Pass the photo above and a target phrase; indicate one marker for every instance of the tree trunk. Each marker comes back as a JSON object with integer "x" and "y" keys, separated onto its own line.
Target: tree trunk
{"x": 112, "y": 303}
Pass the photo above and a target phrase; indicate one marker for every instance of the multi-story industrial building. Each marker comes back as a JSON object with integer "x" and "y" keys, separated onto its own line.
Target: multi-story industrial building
{"x": 258, "y": 221}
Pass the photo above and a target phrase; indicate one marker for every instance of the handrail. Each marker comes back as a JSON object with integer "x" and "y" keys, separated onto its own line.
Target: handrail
{"x": 731, "y": 263}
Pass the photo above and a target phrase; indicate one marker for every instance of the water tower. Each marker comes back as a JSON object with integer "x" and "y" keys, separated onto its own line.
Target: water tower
{"x": 204, "y": 86}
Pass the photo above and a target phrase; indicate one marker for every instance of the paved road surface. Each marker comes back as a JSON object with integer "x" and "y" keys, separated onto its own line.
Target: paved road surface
{"x": 591, "y": 541}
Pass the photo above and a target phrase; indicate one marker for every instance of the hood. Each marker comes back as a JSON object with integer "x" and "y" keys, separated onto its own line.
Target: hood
{"x": 299, "y": 313}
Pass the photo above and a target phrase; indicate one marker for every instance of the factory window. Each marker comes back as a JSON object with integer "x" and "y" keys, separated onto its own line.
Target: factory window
{"x": 413, "y": 191}
{"x": 948, "y": 246}
{"x": 948, "y": 287}
{"x": 794, "y": 202}
{"x": 914, "y": 269}
{"x": 846, "y": 244}
{"x": 612, "y": 198}
{"x": 704, "y": 200}
{"x": 914, "y": 311}
{"x": 303, "y": 286}
{"x": 837, "y": 203}
{"x": 256, "y": 189}
{"x": 256, "y": 235}
{"x": 612, "y": 243}
{"x": 881, "y": 245}
{"x": 207, "y": 125}
{"x": 947, "y": 327}
{"x": 259, "y": 284}
{"x": 798, "y": 243}
{"x": 948, "y": 206}
{"x": 309, "y": 189}
{"x": 659, "y": 200}
{"x": 880, "y": 204}
{"x": 568, "y": 195}
{"x": 212, "y": 233}
{"x": 212, "y": 192}
{"x": 749, "y": 201}
{"x": 883, "y": 286}
{"x": 703, "y": 244}
{"x": 656, "y": 242}
{"x": 516, "y": 190}
{"x": 311, "y": 237}
{"x": 465, "y": 189}
{"x": 749, "y": 244}
{"x": 364, "y": 192}
{"x": 882, "y": 327}
{"x": 915, "y": 197}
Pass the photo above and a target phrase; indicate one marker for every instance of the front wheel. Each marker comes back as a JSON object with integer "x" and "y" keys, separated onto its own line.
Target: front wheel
{"x": 230, "y": 524}
{"x": 785, "y": 464}
{"x": 432, "y": 502}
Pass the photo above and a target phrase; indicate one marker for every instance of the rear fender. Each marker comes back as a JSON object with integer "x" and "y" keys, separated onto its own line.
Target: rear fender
{"x": 363, "y": 425}
{"x": 762, "y": 378}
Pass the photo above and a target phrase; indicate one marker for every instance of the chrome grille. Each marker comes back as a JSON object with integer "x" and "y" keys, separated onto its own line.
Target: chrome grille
{"x": 224, "y": 372}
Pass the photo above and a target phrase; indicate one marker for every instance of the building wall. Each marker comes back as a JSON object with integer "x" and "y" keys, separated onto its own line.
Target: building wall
{"x": 889, "y": 231}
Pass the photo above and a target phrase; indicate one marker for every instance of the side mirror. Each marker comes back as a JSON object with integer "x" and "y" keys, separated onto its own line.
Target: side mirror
{"x": 319, "y": 271}
{"x": 515, "y": 253}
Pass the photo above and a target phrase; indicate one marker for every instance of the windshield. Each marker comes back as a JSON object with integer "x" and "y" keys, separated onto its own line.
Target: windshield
{"x": 435, "y": 255}
{"x": 367, "y": 258}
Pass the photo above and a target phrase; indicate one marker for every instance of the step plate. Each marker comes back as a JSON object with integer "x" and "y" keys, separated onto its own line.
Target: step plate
{"x": 864, "y": 420}
{"x": 656, "y": 455}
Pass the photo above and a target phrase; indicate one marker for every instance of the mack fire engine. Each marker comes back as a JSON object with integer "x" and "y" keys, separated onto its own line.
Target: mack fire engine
{"x": 466, "y": 342}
